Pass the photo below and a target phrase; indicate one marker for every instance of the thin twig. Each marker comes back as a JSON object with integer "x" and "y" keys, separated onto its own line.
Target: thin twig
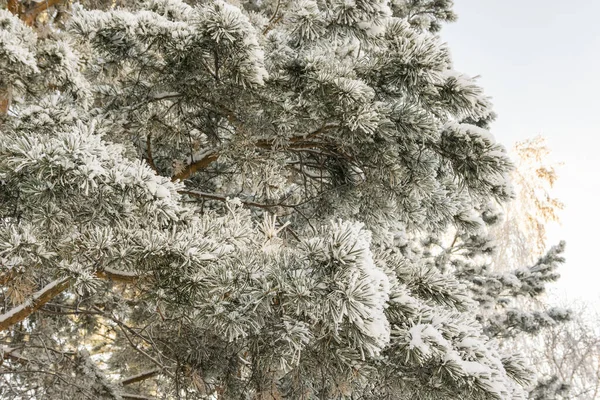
{"x": 140, "y": 377}
{"x": 274, "y": 19}
{"x": 149, "y": 153}
{"x": 139, "y": 350}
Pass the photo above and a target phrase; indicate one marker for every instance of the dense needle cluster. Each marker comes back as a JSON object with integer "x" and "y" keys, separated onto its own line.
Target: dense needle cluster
{"x": 248, "y": 200}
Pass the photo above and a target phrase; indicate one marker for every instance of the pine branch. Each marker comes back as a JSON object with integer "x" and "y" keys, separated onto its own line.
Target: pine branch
{"x": 53, "y": 289}
{"x": 140, "y": 377}
{"x": 276, "y": 11}
{"x": 149, "y": 157}
{"x": 165, "y": 96}
{"x": 58, "y": 376}
{"x": 274, "y": 19}
{"x": 118, "y": 276}
{"x": 128, "y": 396}
{"x": 13, "y": 6}
{"x": 38, "y": 299}
{"x": 29, "y": 15}
{"x": 124, "y": 328}
{"x": 301, "y": 139}
{"x": 204, "y": 162}
{"x": 7, "y": 277}
{"x": 194, "y": 167}
{"x": 213, "y": 196}
{"x": 89, "y": 367}
{"x": 13, "y": 354}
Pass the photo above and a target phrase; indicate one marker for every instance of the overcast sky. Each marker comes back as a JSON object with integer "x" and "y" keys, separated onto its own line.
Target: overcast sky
{"x": 539, "y": 60}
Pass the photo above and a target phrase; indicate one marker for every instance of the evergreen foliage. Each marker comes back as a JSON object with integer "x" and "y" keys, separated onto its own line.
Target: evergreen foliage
{"x": 239, "y": 199}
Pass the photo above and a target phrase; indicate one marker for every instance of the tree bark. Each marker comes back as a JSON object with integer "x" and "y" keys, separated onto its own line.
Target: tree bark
{"x": 52, "y": 290}
{"x": 4, "y": 99}
{"x": 38, "y": 299}
{"x": 29, "y": 15}
{"x": 140, "y": 377}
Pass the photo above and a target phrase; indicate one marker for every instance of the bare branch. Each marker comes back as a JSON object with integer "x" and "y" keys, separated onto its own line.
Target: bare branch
{"x": 128, "y": 396}
{"x": 149, "y": 157}
{"x": 276, "y": 11}
{"x": 5, "y": 97}
{"x": 195, "y": 167}
{"x": 13, "y": 354}
{"x": 213, "y": 196}
{"x": 165, "y": 96}
{"x": 274, "y": 19}
{"x": 140, "y": 377}
{"x": 124, "y": 329}
{"x": 13, "y": 6}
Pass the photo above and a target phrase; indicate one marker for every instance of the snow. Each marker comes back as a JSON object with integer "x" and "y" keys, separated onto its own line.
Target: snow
{"x": 378, "y": 283}
{"x": 121, "y": 273}
{"x": 162, "y": 192}
{"x": 416, "y": 339}
{"x": 469, "y": 367}
{"x": 470, "y": 132}
{"x": 423, "y": 334}
{"x": 372, "y": 29}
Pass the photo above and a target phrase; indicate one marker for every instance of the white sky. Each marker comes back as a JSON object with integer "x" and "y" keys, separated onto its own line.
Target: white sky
{"x": 539, "y": 60}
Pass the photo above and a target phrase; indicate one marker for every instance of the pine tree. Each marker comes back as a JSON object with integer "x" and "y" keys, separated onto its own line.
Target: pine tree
{"x": 237, "y": 199}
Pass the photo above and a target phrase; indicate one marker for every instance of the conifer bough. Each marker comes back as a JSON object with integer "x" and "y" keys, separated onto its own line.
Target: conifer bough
{"x": 236, "y": 200}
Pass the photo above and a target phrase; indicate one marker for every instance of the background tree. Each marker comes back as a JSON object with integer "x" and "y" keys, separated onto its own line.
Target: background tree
{"x": 522, "y": 233}
{"x": 491, "y": 258}
{"x": 564, "y": 353}
{"x": 567, "y": 358}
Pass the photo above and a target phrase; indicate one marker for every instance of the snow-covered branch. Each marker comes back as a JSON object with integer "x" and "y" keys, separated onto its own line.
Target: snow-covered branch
{"x": 37, "y": 300}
